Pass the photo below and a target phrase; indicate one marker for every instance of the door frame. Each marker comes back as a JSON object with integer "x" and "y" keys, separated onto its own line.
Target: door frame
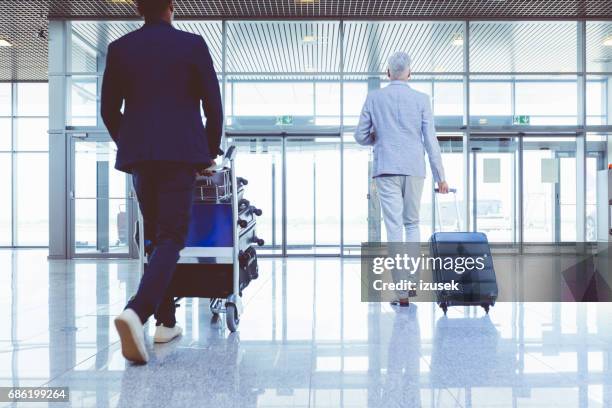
{"x": 96, "y": 136}
{"x": 283, "y": 136}
{"x": 521, "y": 137}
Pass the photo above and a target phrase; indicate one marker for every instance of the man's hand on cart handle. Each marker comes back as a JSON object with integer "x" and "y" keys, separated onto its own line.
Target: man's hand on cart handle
{"x": 443, "y": 187}
{"x": 208, "y": 171}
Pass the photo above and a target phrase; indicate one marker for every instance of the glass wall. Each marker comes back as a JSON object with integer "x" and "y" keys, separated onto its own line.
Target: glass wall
{"x": 294, "y": 90}
{"x": 24, "y": 146}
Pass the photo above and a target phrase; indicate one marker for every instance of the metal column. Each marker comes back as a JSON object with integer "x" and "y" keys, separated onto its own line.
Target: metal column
{"x": 58, "y": 155}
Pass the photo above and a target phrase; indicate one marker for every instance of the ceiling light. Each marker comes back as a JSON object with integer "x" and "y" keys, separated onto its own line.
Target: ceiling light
{"x": 608, "y": 41}
{"x": 309, "y": 39}
{"x": 306, "y": 1}
{"x": 457, "y": 40}
{"x": 5, "y": 43}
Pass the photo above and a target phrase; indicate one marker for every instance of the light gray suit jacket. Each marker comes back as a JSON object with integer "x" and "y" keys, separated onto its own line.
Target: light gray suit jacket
{"x": 398, "y": 122}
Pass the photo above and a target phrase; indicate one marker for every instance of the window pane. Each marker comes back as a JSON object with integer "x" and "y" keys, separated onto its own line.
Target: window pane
{"x": 84, "y": 57}
{"x": 5, "y": 99}
{"x": 547, "y": 102}
{"x": 32, "y": 199}
{"x": 599, "y": 105}
{"x": 327, "y": 103}
{"x": 422, "y": 86}
{"x": 273, "y": 99}
{"x": 32, "y": 99}
{"x": 5, "y": 199}
{"x": 491, "y": 103}
{"x": 101, "y": 224}
{"x": 31, "y": 134}
{"x": 355, "y": 94}
{"x": 83, "y": 102}
{"x": 448, "y": 103}
{"x": 5, "y": 134}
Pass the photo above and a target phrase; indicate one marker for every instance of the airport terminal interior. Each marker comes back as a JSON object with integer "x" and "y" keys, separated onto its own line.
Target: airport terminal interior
{"x": 522, "y": 99}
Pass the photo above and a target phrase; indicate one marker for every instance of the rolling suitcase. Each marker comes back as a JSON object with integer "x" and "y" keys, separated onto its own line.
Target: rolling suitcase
{"x": 477, "y": 286}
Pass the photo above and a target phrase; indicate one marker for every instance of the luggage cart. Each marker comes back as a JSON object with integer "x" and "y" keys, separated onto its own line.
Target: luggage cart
{"x": 219, "y": 259}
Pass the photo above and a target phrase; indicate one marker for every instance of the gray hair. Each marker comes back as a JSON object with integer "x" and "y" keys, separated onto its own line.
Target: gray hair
{"x": 399, "y": 64}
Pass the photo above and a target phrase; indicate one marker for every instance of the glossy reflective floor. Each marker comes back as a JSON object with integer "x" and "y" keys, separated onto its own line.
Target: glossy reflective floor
{"x": 305, "y": 340}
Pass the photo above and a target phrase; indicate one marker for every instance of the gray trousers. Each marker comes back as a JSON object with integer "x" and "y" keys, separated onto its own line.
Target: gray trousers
{"x": 400, "y": 201}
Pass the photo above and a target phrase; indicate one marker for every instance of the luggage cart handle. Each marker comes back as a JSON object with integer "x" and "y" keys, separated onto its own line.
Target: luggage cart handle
{"x": 228, "y": 158}
{"x": 230, "y": 154}
{"x": 452, "y": 191}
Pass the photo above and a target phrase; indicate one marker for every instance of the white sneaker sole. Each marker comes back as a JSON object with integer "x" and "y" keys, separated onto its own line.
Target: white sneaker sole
{"x": 165, "y": 339}
{"x": 129, "y": 343}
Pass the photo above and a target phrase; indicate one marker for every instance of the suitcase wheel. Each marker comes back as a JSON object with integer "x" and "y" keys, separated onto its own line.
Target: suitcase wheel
{"x": 486, "y": 308}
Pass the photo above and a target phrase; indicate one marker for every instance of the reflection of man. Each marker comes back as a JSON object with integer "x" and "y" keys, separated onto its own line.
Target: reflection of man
{"x": 162, "y": 75}
{"x": 398, "y": 122}
{"x": 402, "y": 387}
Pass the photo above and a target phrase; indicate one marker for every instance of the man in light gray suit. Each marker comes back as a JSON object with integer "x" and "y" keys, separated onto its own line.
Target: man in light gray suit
{"x": 398, "y": 122}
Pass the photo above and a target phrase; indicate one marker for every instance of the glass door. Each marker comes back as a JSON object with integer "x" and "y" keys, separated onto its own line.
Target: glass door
{"x": 102, "y": 212}
{"x": 295, "y": 180}
{"x": 494, "y": 165}
{"x": 312, "y": 183}
{"x": 549, "y": 188}
{"x": 259, "y": 161}
{"x": 537, "y": 172}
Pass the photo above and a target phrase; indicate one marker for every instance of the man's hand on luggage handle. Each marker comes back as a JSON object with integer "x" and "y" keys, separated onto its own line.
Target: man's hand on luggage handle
{"x": 443, "y": 187}
{"x": 207, "y": 171}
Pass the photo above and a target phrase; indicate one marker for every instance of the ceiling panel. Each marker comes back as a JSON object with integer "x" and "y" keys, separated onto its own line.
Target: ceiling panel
{"x": 523, "y": 47}
{"x": 433, "y": 46}
{"x": 24, "y": 22}
{"x": 99, "y": 34}
{"x": 20, "y": 24}
{"x": 346, "y": 8}
{"x": 283, "y": 47}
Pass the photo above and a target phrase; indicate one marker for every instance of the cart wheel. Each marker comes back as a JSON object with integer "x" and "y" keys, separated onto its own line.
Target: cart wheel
{"x": 486, "y": 308}
{"x": 232, "y": 317}
{"x": 444, "y": 308}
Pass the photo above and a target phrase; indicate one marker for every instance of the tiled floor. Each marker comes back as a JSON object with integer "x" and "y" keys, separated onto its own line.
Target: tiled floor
{"x": 305, "y": 339}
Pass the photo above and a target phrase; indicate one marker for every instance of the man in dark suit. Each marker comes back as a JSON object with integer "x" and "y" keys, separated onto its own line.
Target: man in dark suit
{"x": 160, "y": 75}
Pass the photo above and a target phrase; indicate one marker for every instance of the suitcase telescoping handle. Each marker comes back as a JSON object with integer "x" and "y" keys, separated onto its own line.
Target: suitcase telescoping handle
{"x": 452, "y": 191}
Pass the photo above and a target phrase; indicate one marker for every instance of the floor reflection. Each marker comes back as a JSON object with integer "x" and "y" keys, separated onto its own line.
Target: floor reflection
{"x": 305, "y": 340}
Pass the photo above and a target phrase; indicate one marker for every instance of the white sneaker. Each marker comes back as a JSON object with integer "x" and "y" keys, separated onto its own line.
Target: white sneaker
{"x": 165, "y": 334}
{"x": 131, "y": 333}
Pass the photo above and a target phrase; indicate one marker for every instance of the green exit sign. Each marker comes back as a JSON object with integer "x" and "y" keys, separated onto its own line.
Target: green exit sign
{"x": 285, "y": 120}
{"x": 522, "y": 120}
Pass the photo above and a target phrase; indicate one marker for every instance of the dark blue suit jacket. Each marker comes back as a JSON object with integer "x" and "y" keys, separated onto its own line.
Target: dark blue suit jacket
{"x": 162, "y": 74}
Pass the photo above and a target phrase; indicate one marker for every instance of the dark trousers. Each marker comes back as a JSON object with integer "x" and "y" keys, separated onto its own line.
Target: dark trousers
{"x": 164, "y": 193}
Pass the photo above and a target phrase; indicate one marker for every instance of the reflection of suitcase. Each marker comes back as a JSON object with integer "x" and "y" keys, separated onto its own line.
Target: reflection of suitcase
{"x": 478, "y": 287}
{"x": 473, "y": 345}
